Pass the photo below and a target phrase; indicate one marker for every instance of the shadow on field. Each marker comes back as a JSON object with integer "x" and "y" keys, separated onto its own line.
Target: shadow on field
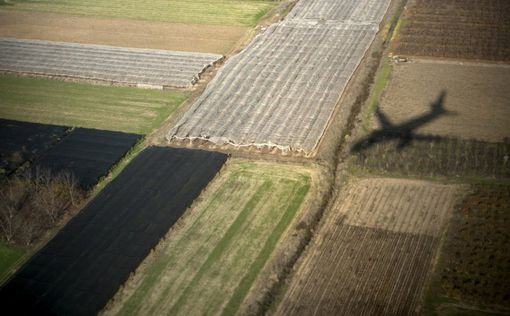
{"x": 403, "y": 132}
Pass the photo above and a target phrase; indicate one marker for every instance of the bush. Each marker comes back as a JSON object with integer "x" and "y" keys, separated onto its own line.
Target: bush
{"x": 31, "y": 205}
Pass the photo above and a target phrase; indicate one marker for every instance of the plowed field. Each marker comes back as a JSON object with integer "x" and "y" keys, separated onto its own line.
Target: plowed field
{"x": 457, "y": 29}
{"x": 82, "y": 267}
{"x": 476, "y": 95}
{"x": 209, "y": 261}
{"x": 373, "y": 251}
{"x": 474, "y": 269}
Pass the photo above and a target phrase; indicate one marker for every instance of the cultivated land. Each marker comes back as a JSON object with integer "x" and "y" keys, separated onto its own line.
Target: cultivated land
{"x": 104, "y": 64}
{"x": 209, "y": 261}
{"x": 216, "y": 39}
{"x": 477, "y": 94}
{"x": 456, "y": 29}
{"x": 215, "y": 12}
{"x": 281, "y": 91}
{"x": 88, "y": 154}
{"x": 81, "y": 268}
{"x": 81, "y": 105}
{"x": 373, "y": 250}
{"x": 473, "y": 271}
{"x": 20, "y": 142}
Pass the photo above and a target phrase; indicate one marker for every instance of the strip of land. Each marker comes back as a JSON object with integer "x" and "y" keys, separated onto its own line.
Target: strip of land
{"x": 189, "y": 37}
{"x": 209, "y": 261}
{"x": 82, "y": 105}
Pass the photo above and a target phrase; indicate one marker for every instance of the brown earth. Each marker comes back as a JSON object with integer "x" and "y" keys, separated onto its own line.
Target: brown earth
{"x": 119, "y": 32}
{"x": 373, "y": 251}
{"x": 477, "y": 30}
{"x": 477, "y": 93}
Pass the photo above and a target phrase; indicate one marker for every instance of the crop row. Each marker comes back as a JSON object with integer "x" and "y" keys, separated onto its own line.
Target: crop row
{"x": 373, "y": 252}
{"x": 128, "y": 66}
{"x": 281, "y": 91}
{"x": 437, "y": 156}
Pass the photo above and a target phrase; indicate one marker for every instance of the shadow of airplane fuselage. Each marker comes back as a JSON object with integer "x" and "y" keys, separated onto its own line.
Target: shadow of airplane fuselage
{"x": 404, "y": 131}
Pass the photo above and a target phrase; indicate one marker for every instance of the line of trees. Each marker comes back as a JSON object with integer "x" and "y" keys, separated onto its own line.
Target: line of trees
{"x": 30, "y": 205}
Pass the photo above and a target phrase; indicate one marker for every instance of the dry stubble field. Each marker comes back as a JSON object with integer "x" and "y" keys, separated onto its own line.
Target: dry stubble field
{"x": 218, "y": 39}
{"x": 477, "y": 93}
{"x": 374, "y": 250}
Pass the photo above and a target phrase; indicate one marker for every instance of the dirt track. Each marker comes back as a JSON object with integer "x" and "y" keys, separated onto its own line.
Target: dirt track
{"x": 118, "y": 32}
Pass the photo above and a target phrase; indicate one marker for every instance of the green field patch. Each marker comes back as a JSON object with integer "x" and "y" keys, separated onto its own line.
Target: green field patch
{"x": 81, "y": 105}
{"x": 210, "y": 261}
{"x": 217, "y": 12}
{"x": 9, "y": 256}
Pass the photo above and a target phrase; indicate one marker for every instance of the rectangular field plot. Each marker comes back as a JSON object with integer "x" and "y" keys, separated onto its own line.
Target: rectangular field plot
{"x": 281, "y": 91}
{"x": 20, "y": 142}
{"x": 224, "y": 12}
{"x": 373, "y": 251}
{"x": 477, "y": 96}
{"x": 457, "y": 29}
{"x": 474, "y": 266}
{"x": 88, "y": 154}
{"x": 82, "y": 267}
{"x": 345, "y": 10}
{"x": 209, "y": 261}
{"x": 108, "y": 64}
{"x": 82, "y": 105}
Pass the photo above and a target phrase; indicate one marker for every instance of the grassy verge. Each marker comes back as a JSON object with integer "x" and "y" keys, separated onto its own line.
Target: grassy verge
{"x": 210, "y": 261}
{"x": 216, "y": 12}
{"x": 82, "y": 105}
{"x": 380, "y": 84}
{"x": 10, "y": 256}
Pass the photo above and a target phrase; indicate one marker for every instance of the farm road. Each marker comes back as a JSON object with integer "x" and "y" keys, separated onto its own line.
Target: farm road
{"x": 83, "y": 266}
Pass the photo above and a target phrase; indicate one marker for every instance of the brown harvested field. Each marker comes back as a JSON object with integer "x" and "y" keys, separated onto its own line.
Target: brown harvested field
{"x": 456, "y": 29}
{"x": 120, "y": 32}
{"x": 373, "y": 252}
{"x": 474, "y": 269}
{"x": 478, "y": 94}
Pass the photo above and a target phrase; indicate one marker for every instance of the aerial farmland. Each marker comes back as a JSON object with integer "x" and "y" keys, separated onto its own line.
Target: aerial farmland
{"x": 254, "y": 157}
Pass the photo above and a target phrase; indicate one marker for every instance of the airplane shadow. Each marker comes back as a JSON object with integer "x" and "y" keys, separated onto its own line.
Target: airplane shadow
{"x": 403, "y": 132}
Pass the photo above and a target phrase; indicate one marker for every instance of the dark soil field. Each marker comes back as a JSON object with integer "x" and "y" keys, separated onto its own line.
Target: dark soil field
{"x": 434, "y": 156}
{"x": 457, "y": 29}
{"x": 80, "y": 269}
{"x": 474, "y": 268}
{"x": 20, "y": 142}
{"x": 88, "y": 154}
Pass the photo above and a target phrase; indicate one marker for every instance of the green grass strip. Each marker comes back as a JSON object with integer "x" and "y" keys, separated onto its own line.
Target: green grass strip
{"x": 9, "y": 257}
{"x": 222, "y": 246}
{"x": 381, "y": 82}
{"x": 72, "y": 104}
{"x": 244, "y": 286}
